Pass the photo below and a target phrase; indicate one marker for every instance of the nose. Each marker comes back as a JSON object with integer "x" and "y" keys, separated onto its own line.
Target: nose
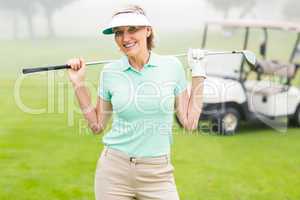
{"x": 126, "y": 36}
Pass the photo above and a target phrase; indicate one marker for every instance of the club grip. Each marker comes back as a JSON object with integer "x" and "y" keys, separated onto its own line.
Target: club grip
{"x": 48, "y": 68}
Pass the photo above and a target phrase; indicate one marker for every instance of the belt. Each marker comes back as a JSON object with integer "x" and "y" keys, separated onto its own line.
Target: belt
{"x": 163, "y": 159}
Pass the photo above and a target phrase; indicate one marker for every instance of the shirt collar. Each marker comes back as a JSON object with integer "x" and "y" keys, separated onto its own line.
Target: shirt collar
{"x": 153, "y": 62}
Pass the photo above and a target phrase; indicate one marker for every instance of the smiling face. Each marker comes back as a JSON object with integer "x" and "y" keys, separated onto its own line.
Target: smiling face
{"x": 132, "y": 40}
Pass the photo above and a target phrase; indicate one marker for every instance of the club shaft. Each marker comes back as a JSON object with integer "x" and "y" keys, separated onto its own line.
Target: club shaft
{"x": 65, "y": 66}
{"x": 57, "y": 67}
{"x": 210, "y": 53}
{"x": 46, "y": 68}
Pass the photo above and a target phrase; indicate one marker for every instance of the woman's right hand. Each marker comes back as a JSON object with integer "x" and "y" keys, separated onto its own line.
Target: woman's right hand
{"x": 77, "y": 70}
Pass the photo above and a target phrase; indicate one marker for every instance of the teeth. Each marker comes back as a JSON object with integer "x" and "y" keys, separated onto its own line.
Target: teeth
{"x": 129, "y": 45}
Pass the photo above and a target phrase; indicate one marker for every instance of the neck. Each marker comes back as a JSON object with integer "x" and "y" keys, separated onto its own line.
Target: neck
{"x": 139, "y": 60}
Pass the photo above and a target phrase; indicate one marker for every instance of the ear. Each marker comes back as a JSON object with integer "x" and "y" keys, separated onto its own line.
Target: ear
{"x": 149, "y": 31}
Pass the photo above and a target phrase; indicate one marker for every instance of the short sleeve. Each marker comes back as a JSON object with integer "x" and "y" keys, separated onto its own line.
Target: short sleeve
{"x": 103, "y": 90}
{"x": 181, "y": 82}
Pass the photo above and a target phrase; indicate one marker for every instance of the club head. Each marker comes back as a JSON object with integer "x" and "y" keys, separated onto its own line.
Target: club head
{"x": 250, "y": 57}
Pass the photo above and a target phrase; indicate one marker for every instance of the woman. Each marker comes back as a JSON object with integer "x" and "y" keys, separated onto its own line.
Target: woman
{"x": 141, "y": 90}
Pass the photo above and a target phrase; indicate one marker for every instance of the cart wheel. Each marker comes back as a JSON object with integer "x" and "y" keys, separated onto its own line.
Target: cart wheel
{"x": 295, "y": 120}
{"x": 228, "y": 122}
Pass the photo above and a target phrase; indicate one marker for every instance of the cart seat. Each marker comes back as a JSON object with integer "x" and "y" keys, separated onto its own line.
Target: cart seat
{"x": 265, "y": 88}
{"x": 273, "y": 67}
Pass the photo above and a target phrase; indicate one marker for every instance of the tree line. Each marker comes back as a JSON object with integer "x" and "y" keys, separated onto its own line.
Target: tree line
{"x": 29, "y": 8}
{"x": 290, "y": 9}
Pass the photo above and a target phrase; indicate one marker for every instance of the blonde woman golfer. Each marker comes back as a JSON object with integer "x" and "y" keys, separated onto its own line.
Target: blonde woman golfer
{"x": 141, "y": 91}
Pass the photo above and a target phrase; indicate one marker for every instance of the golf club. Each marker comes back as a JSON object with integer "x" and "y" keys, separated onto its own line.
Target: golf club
{"x": 57, "y": 67}
{"x": 248, "y": 55}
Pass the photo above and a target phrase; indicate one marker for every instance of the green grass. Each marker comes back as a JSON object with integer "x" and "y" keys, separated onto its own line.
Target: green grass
{"x": 255, "y": 164}
{"x": 53, "y": 156}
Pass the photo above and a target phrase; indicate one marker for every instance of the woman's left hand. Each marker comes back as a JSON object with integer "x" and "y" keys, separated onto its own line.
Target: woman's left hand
{"x": 197, "y": 62}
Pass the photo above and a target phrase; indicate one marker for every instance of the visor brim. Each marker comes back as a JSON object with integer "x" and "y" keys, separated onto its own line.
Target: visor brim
{"x": 126, "y": 19}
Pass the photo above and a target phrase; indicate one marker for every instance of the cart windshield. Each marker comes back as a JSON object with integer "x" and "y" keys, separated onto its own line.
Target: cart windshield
{"x": 227, "y": 39}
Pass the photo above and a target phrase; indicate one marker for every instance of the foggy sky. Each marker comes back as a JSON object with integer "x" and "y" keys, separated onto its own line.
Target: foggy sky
{"x": 86, "y": 17}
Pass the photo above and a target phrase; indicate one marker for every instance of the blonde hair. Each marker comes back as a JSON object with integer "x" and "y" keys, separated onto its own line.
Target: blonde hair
{"x": 139, "y": 10}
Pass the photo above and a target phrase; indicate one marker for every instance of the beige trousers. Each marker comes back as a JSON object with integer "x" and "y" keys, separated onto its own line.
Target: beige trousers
{"x": 119, "y": 177}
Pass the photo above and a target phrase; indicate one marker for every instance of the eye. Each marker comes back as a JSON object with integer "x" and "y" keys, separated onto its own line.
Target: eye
{"x": 118, "y": 32}
{"x": 132, "y": 29}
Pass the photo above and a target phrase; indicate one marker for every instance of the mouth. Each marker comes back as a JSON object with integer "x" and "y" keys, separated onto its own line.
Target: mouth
{"x": 129, "y": 45}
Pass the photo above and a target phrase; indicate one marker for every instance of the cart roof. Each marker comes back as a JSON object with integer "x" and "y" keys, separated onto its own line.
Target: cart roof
{"x": 281, "y": 25}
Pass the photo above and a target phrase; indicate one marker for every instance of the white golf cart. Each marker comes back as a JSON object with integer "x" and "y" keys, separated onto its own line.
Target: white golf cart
{"x": 235, "y": 92}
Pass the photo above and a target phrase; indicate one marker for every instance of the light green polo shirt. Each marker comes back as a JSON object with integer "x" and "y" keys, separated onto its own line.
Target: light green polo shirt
{"x": 143, "y": 104}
